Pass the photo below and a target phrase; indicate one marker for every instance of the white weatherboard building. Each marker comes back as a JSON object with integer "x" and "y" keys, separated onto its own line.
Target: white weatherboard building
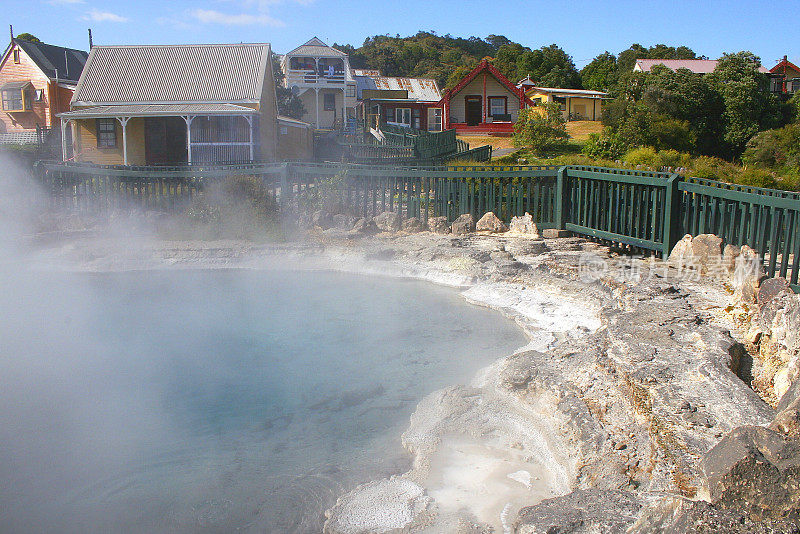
{"x": 321, "y": 77}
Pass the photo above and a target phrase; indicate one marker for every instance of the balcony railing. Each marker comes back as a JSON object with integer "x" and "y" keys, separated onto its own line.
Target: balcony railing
{"x": 299, "y": 77}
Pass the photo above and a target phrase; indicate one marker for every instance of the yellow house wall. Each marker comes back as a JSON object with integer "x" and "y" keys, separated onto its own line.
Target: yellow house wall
{"x": 591, "y": 107}
{"x": 326, "y": 118}
{"x": 297, "y": 144}
{"x": 475, "y": 88}
{"x": 86, "y": 149}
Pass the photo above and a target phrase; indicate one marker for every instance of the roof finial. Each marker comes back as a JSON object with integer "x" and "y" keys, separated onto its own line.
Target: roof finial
{"x": 90, "y": 39}
{"x": 11, "y": 31}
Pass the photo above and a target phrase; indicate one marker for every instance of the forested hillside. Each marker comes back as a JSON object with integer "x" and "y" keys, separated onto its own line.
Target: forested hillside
{"x": 447, "y": 59}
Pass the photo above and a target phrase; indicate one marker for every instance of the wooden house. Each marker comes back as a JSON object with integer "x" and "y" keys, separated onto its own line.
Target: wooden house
{"x": 409, "y": 102}
{"x": 174, "y": 104}
{"x": 320, "y": 76}
{"x": 575, "y": 104}
{"x": 36, "y": 81}
{"x": 484, "y": 102}
{"x": 786, "y": 77}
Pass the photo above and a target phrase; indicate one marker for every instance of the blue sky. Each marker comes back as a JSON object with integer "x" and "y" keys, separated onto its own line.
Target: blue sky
{"x": 582, "y": 28}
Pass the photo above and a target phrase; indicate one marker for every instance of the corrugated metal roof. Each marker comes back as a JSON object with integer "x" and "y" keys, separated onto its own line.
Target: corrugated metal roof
{"x": 157, "y": 110}
{"x": 49, "y": 58}
{"x": 173, "y": 73}
{"x": 316, "y": 48}
{"x": 422, "y": 89}
{"x": 568, "y": 92}
{"x": 698, "y": 66}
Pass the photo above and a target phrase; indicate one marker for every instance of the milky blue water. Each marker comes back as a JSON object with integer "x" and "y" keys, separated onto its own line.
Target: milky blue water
{"x": 217, "y": 401}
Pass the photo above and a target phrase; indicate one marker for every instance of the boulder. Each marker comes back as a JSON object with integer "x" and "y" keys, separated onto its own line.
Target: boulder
{"x": 707, "y": 253}
{"x": 582, "y": 511}
{"x": 746, "y": 275}
{"x": 322, "y": 219}
{"x": 523, "y": 225}
{"x": 554, "y": 233}
{"x": 755, "y": 470}
{"x": 463, "y": 225}
{"x": 365, "y": 227}
{"x": 490, "y": 223}
{"x": 438, "y": 225}
{"x": 729, "y": 255}
{"x": 771, "y": 297}
{"x": 413, "y": 225}
{"x": 343, "y": 222}
{"x": 388, "y": 221}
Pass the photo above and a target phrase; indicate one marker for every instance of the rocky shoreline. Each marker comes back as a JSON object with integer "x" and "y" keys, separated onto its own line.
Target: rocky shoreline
{"x": 653, "y": 396}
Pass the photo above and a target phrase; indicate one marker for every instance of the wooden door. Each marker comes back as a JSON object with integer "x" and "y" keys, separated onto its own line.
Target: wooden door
{"x": 165, "y": 140}
{"x": 473, "y": 110}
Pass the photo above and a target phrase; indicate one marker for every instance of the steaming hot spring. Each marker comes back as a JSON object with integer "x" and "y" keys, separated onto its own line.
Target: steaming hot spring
{"x": 217, "y": 400}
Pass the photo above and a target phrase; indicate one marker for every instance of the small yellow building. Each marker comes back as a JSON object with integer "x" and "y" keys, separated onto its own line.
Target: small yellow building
{"x": 576, "y": 104}
{"x": 174, "y": 104}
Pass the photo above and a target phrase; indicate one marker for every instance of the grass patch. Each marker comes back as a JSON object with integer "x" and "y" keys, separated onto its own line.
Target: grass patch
{"x": 580, "y": 130}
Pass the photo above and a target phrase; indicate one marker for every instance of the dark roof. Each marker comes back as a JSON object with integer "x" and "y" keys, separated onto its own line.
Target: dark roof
{"x": 67, "y": 61}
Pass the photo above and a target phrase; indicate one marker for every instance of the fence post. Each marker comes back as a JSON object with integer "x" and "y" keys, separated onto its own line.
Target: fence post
{"x": 560, "y": 215}
{"x": 286, "y": 194}
{"x": 672, "y": 215}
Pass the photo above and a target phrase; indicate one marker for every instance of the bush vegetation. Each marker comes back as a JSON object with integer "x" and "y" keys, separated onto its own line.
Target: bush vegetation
{"x": 541, "y": 128}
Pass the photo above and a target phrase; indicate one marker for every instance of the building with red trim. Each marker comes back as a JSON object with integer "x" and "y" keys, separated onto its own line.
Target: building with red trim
{"x": 787, "y": 77}
{"x": 484, "y": 102}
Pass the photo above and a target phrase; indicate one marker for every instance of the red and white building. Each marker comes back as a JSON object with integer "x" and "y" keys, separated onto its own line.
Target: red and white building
{"x": 484, "y": 102}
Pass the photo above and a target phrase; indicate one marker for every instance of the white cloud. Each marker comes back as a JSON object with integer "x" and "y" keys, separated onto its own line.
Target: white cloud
{"x": 209, "y": 16}
{"x": 103, "y": 16}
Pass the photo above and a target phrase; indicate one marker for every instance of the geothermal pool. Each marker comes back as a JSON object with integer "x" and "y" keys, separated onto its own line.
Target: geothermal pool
{"x": 216, "y": 401}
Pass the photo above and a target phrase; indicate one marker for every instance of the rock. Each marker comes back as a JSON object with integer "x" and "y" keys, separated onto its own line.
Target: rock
{"x": 343, "y": 222}
{"x": 553, "y": 233}
{"x": 681, "y": 253}
{"x": 729, "y": 256}
{"x": 365, "y": 227}
{"x": 388, "y": 221}
{"x": 707, "y": 253}
{"x": 413, "y": 225}
{"x": 771, "y": 296}
{"x": 582, "y": 511}
{"x": 788, "y": 421}
{"x": 490, "y": 223}
{"x": 322, "y": 219}
{"x": 755, "y": 470}
{"x": 438, "y": 225}
{"x": 463, "y": 225}
{"x": 746, "y": 275}
{"x": 523, "y": 225}
{"x": 700, "y": 517}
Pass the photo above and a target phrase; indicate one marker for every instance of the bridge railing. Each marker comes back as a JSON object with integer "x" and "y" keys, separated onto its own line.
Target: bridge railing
{"x": 646, "y": 211}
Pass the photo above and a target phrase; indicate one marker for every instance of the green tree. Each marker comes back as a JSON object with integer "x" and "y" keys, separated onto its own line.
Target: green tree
{"x": 749, "y": 106}
{"x": 289, "y": 105}
{"x": 28, "y": 37}
{"x": 601, "y": 74}
{"x": 540, "y": 128}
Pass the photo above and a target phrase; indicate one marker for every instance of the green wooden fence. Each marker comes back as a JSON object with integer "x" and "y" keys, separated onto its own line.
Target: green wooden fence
{"x": 643, "y": 211}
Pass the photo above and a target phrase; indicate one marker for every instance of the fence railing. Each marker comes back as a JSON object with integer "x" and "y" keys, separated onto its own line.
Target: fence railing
{"x": 640, "y": 210}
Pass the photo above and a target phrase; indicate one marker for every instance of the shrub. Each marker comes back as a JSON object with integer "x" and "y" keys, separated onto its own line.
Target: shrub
{"x": 540, "y": 128}
{"x": 605, "y": 145}
{"x": 645, "y": 156}
{"x": 774, "y": 148}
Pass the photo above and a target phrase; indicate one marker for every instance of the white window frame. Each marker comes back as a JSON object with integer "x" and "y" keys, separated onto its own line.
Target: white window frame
{"x": 402, "y": 116}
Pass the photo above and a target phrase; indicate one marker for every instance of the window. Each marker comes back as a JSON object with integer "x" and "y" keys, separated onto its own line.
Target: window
{"x": 416, "y": 121}
{"x": 402, "y": 116}
{"x": 351, "y": 90}
{"x": 16, "y": 55}
{"x": 106, "y": 133}
{"x": 16, "y": 100}
{"x": 498, "y": 105}
{"x": 329, "y": 101}
{"x": 435, "y": 119}
{"x": 284, "y": 130}
{"x": 561, "y": 101}
{"x": 38, "y": 95}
